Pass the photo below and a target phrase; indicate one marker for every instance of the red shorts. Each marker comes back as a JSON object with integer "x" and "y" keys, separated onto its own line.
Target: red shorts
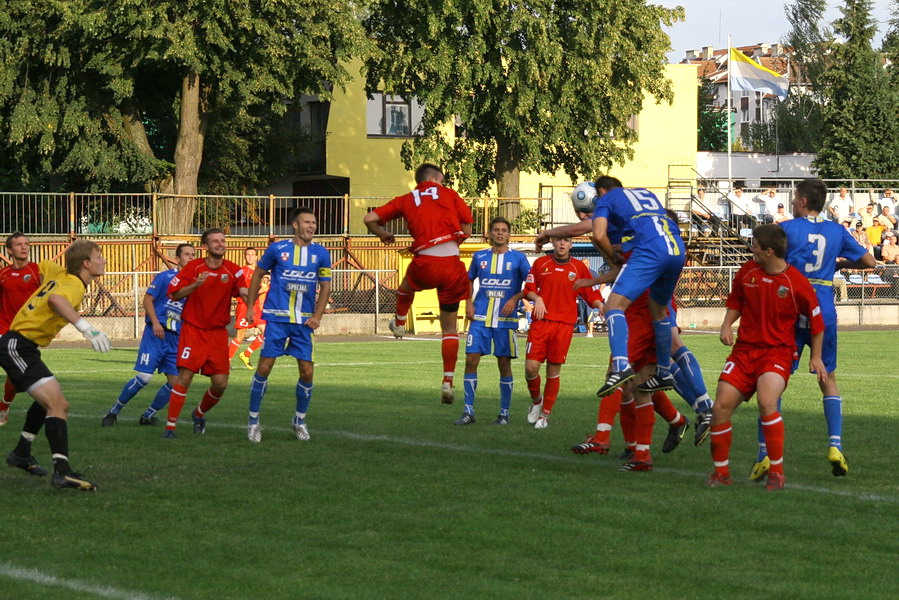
{"x": 203, "y": 351}
{"x": 549, "y": 341}
{"x": 446, "y": 273}
{"x": 240, "y": 317}
{"x": 744, "y": 366}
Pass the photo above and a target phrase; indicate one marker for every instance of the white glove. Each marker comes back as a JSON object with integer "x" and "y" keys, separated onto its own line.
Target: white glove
{"x": 96, "y": 337}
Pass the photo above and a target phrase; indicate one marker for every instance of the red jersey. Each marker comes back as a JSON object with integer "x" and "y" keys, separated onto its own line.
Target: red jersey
{"x": 16, "y": 286}
{"x": 770, "y": 305}
{"x": 435, "y": 214}
{"x": 208, "y": 306}
{"x": 554, "y": 283}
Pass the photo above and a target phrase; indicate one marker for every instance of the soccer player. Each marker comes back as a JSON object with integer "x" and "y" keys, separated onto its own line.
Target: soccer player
{"x": 158, "y": 345}
{"x": 814, "y": 245}
{"x": 439, "y": 220}
{"x": 550, "y": 286}
{"x": 240, "y": 316}
{"x": 18, "y": 281}
{"x": 293, "y": 311}
{"x": 42, "y": 316}
{"x": 500, "y": 273}
{"x": 768, "y": 295}
{"x": 655, "y": 264}
{"x": 209, "y": 283}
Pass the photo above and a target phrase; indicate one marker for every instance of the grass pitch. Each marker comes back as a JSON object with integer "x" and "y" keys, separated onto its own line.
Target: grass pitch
{"x": 390, "y": 500}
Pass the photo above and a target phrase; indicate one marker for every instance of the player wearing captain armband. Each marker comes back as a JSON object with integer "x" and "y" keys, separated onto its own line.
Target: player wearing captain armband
{"x": 44, "y": 314}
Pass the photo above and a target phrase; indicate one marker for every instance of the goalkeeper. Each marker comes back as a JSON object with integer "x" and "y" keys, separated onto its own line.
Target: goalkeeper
{"x": 43, "y": 315}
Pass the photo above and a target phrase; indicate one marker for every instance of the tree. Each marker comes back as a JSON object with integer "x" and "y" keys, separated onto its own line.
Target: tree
{"x": 712, "y": 120}
{"x": 537, "y": 86}
{"x": 859, "y": 126}
{"x": 108, "y": 93}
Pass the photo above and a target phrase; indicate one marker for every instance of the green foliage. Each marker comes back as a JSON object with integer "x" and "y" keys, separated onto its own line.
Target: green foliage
{"x": 795, "y": 127}
{"x": 712, "y": 120}
{"x": 529, "y": 221}
{"x": 539, "y": 86}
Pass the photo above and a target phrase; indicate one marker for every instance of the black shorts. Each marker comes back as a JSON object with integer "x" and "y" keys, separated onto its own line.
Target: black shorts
{"x": 21, "y": 359}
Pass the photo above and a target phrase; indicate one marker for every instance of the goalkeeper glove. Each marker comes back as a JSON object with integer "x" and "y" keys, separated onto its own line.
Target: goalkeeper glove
{"x": 96, "y": 337}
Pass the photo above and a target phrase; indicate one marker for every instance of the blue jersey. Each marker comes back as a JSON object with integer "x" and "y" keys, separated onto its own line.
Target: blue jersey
{"x": 638, "y": 214}
{"x": 500, "y": 276}
{"x": 296, "y": 272}
{"x": 813, "y": 246}
{"x": 168, "y": 311}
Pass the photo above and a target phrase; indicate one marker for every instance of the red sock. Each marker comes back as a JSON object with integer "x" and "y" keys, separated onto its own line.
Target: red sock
{"x": 628, "y": 419}
{"x": 207, "y": 403}
{"x": 773, "y": 428}
{"x": 720, "y": 439}
{"x": 403, "y": 304}
{"x": 176, "y": 403}
{"x": 605, "y": 416}
{"x": 534, "y": 388}
{"x": 9, "y": 393}
{"x": 662, "y": 404}
{"x": 449, "y": 349}
{"x": 645, "y": 418}
{"x": 550, "y": 393}
{"x": 232, "y": 348}
{"x": 257, "y": 343}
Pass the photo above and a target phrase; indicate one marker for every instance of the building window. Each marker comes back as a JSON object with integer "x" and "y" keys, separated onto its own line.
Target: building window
{"x": 392, "y": 116}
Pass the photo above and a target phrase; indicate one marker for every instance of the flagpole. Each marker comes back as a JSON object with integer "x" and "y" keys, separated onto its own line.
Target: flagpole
{"x": 730, "y": 183}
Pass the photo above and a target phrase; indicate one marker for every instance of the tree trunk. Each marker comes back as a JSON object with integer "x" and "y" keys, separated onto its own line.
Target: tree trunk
{"x": 175, "y": 215}
{"x": 507, "y": 170}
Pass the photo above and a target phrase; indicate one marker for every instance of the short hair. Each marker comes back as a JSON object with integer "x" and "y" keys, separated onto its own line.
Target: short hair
{"x": 607, "y": 182}
{"x": 426, "y": 171}
{"x": 78, "y": 252}
{"x": 13, "y": 236}
{"x": 205, "y": 237}
{"x": 700, "y": 189}
{"x": 181, "y": 247}
{"x": 249, "y": 248}
{"x": 814, "y": 191}
{"x": 496, "y": 220}
{"x": 300, "y": 210}
{"x": 771, "y": 236}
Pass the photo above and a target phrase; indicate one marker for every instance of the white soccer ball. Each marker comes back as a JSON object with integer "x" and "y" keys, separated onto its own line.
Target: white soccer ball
{"x": 583, "y": 197}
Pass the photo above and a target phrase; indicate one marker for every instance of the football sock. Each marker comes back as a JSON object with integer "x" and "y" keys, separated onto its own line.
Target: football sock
{"x": 34, "y": 420}
{"x": 257, "y": 392}
{"x": 470, "y": 382}
{"x": 605, "y": 416}
{"x": 209, "y": 400}
{"x": 534, "y": 388}
{"x": 9, "y": 392}
{"x": 550, "y": 393}
{"x": 159, "y": 401}
{"x": 304, "y": 397}
{"x": 618, "y": 339}
{"x": 662, "y": 405}
{"x": 833, "y": 414}
{"x": 254, "y": 346}
{"x": 403, "y": 304}
{"x": 686, "y": 360}
{"x": 176, "y": 403}
{"x": 682, "y": 384}
{"x": 134, "y": 385}
{"x": 627, "y": 417}
{"x": 23, "y": 448}
{"x": 57, "y": 433}
{"x": 773, "y": 425}
{"x": 763, "y": 447}
{"x": 505, "y": 395}
{"x": 662, "y": 329}
{"x": 645, "y": 418}
{"x": 232, "y": 348}
{"x": 720, "y": 439}
{"x": 449, "y": 349}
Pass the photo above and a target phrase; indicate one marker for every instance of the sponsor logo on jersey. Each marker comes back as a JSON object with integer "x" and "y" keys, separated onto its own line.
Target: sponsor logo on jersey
{"x": 495, "y": 281}
{"x": 296, "y": 274}
{"x": 782, "y": 291}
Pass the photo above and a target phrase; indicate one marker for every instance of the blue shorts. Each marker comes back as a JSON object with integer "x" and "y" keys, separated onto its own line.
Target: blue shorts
{"x": 828, "y": 347}
{"x": 157, "y": 354}
{"x": 288, "y": 339}
{"x": 657, "y": 273}
{"x": 480, "y": 337}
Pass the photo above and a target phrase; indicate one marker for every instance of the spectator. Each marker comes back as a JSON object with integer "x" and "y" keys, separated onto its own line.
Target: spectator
{"x": 712, "y": 222}
{"x": 765, "y": 205}
{"x": 875, "y": 232}
{"x": 887, "y": 219}
{"x": 867, "y": 215}
{"x": 888, "y": 199}
{"x": 889, "y": 251}
{"x": 841, "y": 207}
{"x": 740, "y": 209}
{"x": 841, "y": 292}
{"x": 860, "y": 235}
{"x": 781, "y": 215}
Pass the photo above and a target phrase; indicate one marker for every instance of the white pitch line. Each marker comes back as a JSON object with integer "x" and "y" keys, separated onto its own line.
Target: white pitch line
{"x": 517, "y": 454}
{"x": 103, "y": 591}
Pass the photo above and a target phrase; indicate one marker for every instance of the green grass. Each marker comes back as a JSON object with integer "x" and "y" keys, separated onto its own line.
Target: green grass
{"x": 390, "y": 500}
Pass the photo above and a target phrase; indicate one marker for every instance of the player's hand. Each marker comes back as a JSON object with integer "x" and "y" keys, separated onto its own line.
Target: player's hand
{"x": 540, "y": 240}
{"x": 727, "y": 336}
{"x": 539, "y": 308}
{"x": 509, "y": 307}
{"x": 159, "y": 331}
{"x": 469, "y": 310}
{"x": 387, "y": 238}
{"x": 250, "y": 316}
{"x": 312, "y": 322}
{"x": 96, "y": 337}
{"x": 201, "y": 278}
{"x": 816, "y": 366}
{"x": 616, "y": 259}
{"x": 583, "y": 283}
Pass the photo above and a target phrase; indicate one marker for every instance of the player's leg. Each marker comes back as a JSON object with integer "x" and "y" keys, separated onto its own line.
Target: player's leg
{"x": 304, "y": 397}
{"x": 532, "y": 378}
{"x": 618, "y": 335}
{"x": 449, "y": 348}
{"x": 176, "y": 400}
{"x": 216, "y": 365}
{"x": 405, "y": 294}
{"x": 149, "y": 355}
{"x": 644, "y": 420}
{"x": 677, "y": 422}
{"x": 833, "y": 404}
{"x": 132, "y": 387}
{"x": 771, "y": 386}
{"x": 477, "y": 343}
{"x": 169, "y": 366}
{"x": 21, "y": 456}
{"x": 727, "y": 399}
{"x": 9, "y": 394}
{"x": 506, "y": 383}
{"x": 234, "y": 344}
{"x": 550, "y": 393}
{"x": 254, "y": 345}
{"x": 218, "y": 383}
{"x": 600, "y": 440}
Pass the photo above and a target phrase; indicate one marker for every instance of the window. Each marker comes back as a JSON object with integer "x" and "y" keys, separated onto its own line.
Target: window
{"x": 392, "y": 116}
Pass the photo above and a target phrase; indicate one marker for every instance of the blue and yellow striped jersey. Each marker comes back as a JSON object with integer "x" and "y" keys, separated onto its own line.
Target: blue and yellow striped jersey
{"x": 296, "y": 272}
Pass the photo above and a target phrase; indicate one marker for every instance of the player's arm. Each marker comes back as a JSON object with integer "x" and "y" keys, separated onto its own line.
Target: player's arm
{"x": 511, "y": 305}
{"x": 727, "y": 326}
{"x": 62, "y": 307}
{"x": 570, "y": 230}
{"x": 815, "y": 364}
{"x": 372, "y": 222}
{"x": 539, "y": 307}
{"x": 253, "y": 293}
{"x": 324, "y": 293}
{"x": 150, "y": 310}
{"x": 867, "y": 261}
{"x": 601, "y": 241}
{"x": 183, "y": 292}
{"x": 469, "y": 306}
{"x": 607, "y": 277}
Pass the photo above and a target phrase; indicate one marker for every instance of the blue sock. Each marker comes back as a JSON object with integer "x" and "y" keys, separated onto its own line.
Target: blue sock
{"x": 686, "y": 360}
{"x": 682, "y": 384}
{"x": 505, "y": 395}
{"x": 618, "y": 339}
{"x": 304, "y": 397}
{"x": 470, "y": 382}
{"x": 159, "y": 400}
{"x": 130, "y": 390}
{"x": 833, "y": 414}
{"x": 763, "y": 447}
{"x": 257, "y": 391}
{"x": 662, "y": 330}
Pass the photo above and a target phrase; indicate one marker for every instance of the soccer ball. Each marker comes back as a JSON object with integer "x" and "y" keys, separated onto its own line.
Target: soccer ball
{"x": 583, "y": 197}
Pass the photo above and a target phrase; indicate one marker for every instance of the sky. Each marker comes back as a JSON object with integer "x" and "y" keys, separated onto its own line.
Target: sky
{"x": 709, "y": 22}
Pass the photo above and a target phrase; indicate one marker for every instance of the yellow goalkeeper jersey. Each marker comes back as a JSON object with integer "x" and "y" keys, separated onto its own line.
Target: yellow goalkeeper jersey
{"x": 37, "y": 320}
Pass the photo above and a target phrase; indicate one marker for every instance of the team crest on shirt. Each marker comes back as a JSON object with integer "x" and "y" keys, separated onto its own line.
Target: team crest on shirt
{"x": 27, "y": 277}
{"x": 224, "y": 277}
{"x": 571, "y": 276}
{"x": 782, "y": 291}
{"x": 483, "y": 264}
{"x": 285, "y": 256}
